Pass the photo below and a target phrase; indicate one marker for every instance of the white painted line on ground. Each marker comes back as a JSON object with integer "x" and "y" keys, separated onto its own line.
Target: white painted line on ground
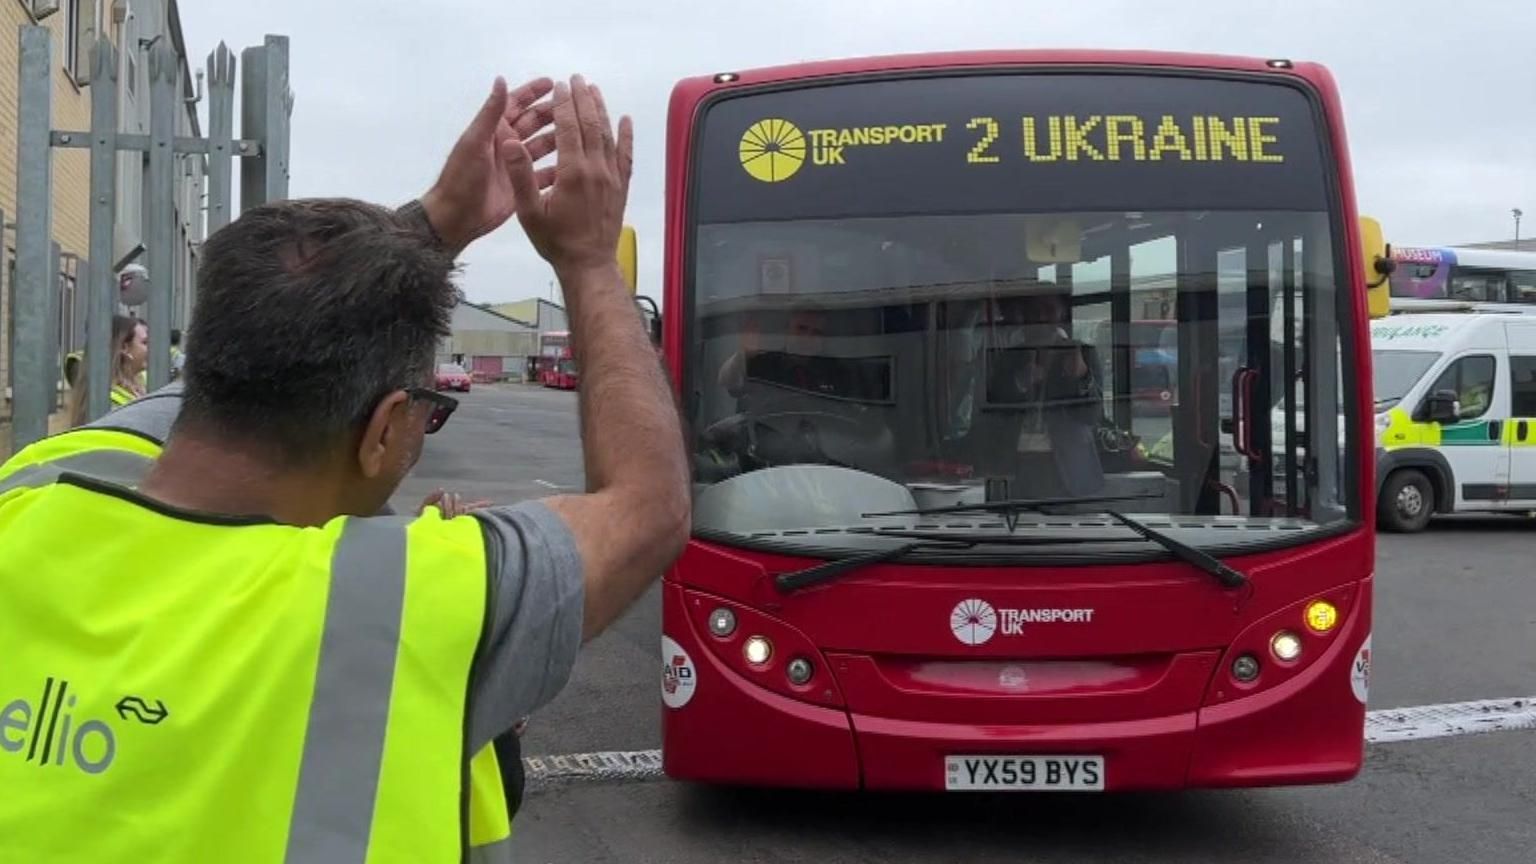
{"x": 1387, "y": 726}
{"x": 607, "y": 767}
{"x": 1452, "y": 718}
{"x": 548, "y": 485}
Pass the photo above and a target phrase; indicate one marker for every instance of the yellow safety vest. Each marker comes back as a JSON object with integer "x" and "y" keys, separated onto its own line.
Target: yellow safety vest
{"x": 74, "y": 442}
{"x": 301, "y": 752}
{"x": 490, "y": 824}
{"x": 122, "y": 395}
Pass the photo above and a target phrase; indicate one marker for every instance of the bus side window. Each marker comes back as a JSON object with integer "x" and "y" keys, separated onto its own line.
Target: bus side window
{"x": 1487, "y": 286}
{"x": 1522, "y": 286}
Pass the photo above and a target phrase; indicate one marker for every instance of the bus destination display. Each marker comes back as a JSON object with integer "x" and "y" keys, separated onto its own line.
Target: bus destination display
{"x": 1036, "y": 142}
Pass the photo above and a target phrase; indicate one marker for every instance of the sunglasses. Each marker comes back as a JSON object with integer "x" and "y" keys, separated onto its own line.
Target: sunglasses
{"x": 442, "y": 406}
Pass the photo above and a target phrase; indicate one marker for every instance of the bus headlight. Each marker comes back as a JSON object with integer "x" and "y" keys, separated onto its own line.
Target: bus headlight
{"x": 759, "y": 647}
{"x": 722, "y": 622}
{"x": 757, "y": 650}
{"x": 1286, "y": 645}
{"x": 1322, "y": 616}
{"x": 1245, "y": 668}
{"x": 799, "y": 671}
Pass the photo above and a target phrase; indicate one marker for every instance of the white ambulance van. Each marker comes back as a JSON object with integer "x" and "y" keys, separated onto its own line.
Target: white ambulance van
{"x": 1455, "y": 396}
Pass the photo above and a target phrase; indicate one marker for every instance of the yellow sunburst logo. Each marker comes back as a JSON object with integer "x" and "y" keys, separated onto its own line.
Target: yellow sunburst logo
{"x": 772, "y": 150}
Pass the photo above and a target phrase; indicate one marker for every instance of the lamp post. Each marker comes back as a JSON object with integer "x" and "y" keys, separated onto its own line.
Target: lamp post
{"x": 1517, "y": 213}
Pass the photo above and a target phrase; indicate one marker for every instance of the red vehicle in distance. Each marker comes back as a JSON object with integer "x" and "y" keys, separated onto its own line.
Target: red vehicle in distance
{"x": 451, "y": 376}
{"x": 557, "y": 366}
{"x": 927, "y": 552}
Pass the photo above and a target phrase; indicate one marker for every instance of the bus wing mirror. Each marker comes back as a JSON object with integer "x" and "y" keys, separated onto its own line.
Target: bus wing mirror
{"x": 628, "y": 259}
{"x": 651, "y": 313}
{"x": 1377, "y": 255}
{"x": 1443, "y": 407}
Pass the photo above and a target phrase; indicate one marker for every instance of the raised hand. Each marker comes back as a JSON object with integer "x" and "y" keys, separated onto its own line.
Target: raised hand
{"x": 575, "y": 224}
{"x": 474, "y": 194}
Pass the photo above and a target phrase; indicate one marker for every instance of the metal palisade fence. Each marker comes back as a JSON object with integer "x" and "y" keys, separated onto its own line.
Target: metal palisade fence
{"x": 262, "y": 150}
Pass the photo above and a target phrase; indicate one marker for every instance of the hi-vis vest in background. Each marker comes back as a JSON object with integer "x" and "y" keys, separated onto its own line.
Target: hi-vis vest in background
{"x": 190, "y": 689}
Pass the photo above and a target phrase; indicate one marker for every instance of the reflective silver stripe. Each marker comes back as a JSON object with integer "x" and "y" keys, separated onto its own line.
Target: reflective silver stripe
{"x": 112, "y": 466}
{"x": 349, "y": 712}
{"x": 499, "y": 852}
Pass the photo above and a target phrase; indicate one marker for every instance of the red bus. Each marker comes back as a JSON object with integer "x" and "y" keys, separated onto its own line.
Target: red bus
{"x": 929, "y": 551}
{"x": 556, "y": 364}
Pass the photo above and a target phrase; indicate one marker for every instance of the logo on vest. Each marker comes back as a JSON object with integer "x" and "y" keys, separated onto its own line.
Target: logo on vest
{"x": 49, "y": 734}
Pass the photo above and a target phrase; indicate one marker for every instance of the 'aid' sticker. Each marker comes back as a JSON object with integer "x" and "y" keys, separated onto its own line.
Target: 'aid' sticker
{"x": 678, "y": 676}
{"x": 1360, "y": 672}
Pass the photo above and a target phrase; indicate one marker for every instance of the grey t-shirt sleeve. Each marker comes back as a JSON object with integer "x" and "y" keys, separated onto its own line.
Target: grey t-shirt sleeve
{"x": 151, "y": 415}
{"x": 533, "y": 634}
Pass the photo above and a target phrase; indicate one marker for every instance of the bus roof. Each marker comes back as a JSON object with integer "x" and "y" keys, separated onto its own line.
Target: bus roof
{"x": 992, "y": 59}
{"x": 1418, "y": 306}
{"x": 1468, "y": 256}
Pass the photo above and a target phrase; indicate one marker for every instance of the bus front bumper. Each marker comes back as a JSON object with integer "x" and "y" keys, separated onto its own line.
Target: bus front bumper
{"x": 729, "y": 730}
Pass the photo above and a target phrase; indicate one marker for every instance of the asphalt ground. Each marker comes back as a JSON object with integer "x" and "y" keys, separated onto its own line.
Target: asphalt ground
{"x": 1455, "y": 621}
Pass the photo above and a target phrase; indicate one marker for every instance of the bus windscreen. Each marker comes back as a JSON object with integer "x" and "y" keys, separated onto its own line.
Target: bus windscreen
{"x": 935, "y": 280}
{"x": 988, "y": 142}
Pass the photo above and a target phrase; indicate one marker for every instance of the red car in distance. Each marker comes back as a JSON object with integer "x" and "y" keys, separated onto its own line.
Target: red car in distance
{"x": 451, "y": 376}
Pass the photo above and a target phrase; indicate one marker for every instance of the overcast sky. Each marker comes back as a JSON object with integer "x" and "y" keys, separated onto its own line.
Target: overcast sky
{"x": 1440, "y": 97}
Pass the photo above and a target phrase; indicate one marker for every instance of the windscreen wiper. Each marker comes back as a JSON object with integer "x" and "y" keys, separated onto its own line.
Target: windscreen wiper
{"x": 819, "y": 573}
{"x": 1011, "y": 508}
{"x": 1227, "y": 576}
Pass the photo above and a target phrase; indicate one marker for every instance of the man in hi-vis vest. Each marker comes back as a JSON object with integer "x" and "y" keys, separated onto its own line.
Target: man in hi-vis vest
{"x": 221, "y": 653}
{"x": 141, "y": 427}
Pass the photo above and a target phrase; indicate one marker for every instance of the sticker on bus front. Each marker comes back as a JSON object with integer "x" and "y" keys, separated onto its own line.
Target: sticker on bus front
{"x": 1360, "y": 671}
{"x": 678, "y": 675}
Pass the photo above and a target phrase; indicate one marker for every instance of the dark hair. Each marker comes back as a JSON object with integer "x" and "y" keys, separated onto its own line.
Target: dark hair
{"x": 175, "y": 337}
{"x": 308, "y": 313}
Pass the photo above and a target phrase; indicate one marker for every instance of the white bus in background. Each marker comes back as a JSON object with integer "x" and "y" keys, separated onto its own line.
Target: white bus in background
{"x": 1462, "y": 273}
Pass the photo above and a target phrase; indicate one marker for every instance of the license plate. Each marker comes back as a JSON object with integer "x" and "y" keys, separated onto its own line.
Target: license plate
{"x": 1067, "y": 773}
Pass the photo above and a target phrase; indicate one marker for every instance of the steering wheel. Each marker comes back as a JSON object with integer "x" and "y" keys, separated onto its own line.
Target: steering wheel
{"x": 739, "y": 434}
{"x": 1113, "y": 439}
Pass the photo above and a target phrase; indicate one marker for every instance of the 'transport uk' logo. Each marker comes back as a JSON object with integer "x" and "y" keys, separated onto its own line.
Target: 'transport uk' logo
{"x": 772, "y": 150}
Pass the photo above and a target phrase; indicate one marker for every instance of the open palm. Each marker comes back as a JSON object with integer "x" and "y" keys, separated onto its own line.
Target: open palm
{"x": 473, "y": 195}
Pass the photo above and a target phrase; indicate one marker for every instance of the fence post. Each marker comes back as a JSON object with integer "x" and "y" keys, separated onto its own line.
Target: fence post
{"x": 100, "y": 282}
{"x": 265, "y": 102}
{"x": 164, "y": 87}
{"x": 253, "y": 125}
{"x": 53, "y": 322}
{"x": 34, "y": 224}
{"x": 82, "y": 298}
{"x": 221, "y": 130}
{"x": 280, "y": 110}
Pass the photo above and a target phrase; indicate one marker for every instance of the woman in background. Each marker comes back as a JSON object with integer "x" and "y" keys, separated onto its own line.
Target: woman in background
{"x": 130, "y": 357}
